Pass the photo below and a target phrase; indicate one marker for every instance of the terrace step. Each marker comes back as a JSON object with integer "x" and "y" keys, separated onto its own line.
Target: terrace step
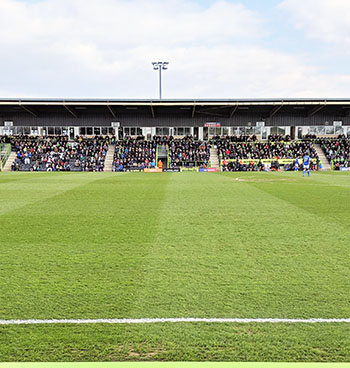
{"x": 322, "y": 157}
{"x": 214, "y": 160}
{"x": 109, "y": 158}
{"x": 162, "y": 151}
{"x": 9, "y": 161}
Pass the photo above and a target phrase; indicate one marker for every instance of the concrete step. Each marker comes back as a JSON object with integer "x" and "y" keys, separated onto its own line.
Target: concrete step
{"x": 109, "y": 158}
{"x": 9, "y": 162}
{"x": 214, "y": 160}
{"x": 325, "y": 163}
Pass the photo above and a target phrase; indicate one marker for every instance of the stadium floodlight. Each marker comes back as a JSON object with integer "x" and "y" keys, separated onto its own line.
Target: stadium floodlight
{"x": 160, "y": 65}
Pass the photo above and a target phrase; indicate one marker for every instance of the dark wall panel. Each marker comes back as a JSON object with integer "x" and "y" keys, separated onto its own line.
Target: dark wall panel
{"x": 172, "y": 120}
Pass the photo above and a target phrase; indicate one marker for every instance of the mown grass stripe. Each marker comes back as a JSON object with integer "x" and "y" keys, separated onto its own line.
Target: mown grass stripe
{"x": 171, "y": 320}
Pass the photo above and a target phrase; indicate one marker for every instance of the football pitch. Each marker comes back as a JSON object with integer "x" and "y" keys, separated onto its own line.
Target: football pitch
{"x": 91, "y": 246}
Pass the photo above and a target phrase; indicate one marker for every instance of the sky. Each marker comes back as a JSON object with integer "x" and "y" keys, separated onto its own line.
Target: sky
{"x": 215, "y": 48}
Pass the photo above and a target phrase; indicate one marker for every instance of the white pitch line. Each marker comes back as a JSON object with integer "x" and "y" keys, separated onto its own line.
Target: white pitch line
{"x": 170, "y": 320}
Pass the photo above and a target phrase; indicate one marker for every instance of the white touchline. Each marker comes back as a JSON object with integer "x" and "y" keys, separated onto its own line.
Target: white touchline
{"x": 170, "y": 320}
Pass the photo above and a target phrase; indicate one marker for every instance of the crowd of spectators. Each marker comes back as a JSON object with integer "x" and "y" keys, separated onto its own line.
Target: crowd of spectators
{"x": 233, "y": 138}
{"x": 138, "y": 153}
{"x": 279, "y": 138}
{"x": 58, "y": 154}
{"x": 337, "y": 150}
{"x": 265, "y": 150}
{"x": 238, "y": 165}
{"x": 188, "y": 152}
{"x": 135, "y": 154}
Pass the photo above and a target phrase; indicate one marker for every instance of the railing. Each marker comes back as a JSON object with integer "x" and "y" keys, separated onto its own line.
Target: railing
{"x": 5, "y": 151}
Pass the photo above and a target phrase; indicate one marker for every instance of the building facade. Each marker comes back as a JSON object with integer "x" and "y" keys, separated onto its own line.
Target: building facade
{"x": 201, "y": 118}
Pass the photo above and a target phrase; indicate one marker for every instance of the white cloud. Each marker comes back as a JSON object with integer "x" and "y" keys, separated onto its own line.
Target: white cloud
{"x": 325, "y": 20}
{"x": 80, "y": 48}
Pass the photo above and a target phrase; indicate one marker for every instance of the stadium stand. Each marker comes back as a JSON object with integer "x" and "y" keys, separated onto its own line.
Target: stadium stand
{"x": 187, "y": 152}
{"x": 134, "y": 154}
{"x": 138, "y": 154}
{"x": 336, "y": 150}
{"x": 231, "y": 153}
{"x": 58, "y": 154}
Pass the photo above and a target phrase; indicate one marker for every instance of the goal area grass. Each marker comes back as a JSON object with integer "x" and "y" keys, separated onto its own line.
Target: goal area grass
{"x": 175, "y": 245}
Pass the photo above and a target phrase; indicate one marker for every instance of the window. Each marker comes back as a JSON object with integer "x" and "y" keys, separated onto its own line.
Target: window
{"x": 180, "y": 131}
{"x": 132, "y": 131}
{"x": 278, "y": 130}
{"x": 82, "y": 131}
{"x": 329, "y": 129}
{"x": 257, "y": 130}
{"x": 89, "y": 131}
{"x": 139, "y": 131}
{"x": 34, "y": 130}
{"x": 58, "y": 131}
{"x": 224, "y": 131}
{"x": 126, "y": 131}
{"x": 97, "y": 131}
{"x": 187, "y": 131}
{"x": 26, "y": 130}
{"x": 64, "y": 131}
{"x": 338, "y": 130}
{"x": 104, "y": 130}
{"x": 111, "y": 131}
{"x": 18, "y": 130}
{"x": 50, "y": 131}
{"x": 238, "y": 131}
{"x": 320, "y": 130}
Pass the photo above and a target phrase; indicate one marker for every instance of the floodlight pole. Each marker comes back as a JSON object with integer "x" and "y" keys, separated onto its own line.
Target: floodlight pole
{"x": 160, "y": 65}
{"x": 160, "y": 83}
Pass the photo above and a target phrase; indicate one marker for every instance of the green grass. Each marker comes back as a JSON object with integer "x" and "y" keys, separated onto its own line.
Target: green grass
{"x": 106, "y": 245}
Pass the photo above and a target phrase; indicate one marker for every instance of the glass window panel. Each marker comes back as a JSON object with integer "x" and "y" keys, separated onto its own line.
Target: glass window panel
{"x": 338, "y": 130}
{"x": 126, "y": 131}
{"x": 51, "y": 130}
{"x": 139, "y": 131}
{"x": 111, "y": 131}
{"x": 58, "y": 131}
{"x": 273, "y": 130}
{"x": 180, "y": 131}
{"x": 329, "y": 129}
{"x": 300, "y": 132}
{"x": 311, "y": 130}
{"x": 64, "y": 131}
{"x": 104, "y": 131}
{"x": 89, "y": 130}
{"x": 19, "y": 130}
{"x": 250, "y": 131}
{"x": 82, "y": 130}
{"x": 132, "y": 131}
{"x": 187, "y": 131}
{"x": 257, "y": 130}
{"x": 97, "y": 130}
{"x": 320, "y": 130}
{"x": 225, "y": 131}
{"x": 212, "y": 131}
{"x": 26, "y": 130}
{"x": 238, "y": 131}
{"x": 158, "y": 131}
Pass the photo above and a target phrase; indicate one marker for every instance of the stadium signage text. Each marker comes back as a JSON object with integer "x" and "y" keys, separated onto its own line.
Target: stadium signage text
{"x": 171, "y": 169}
